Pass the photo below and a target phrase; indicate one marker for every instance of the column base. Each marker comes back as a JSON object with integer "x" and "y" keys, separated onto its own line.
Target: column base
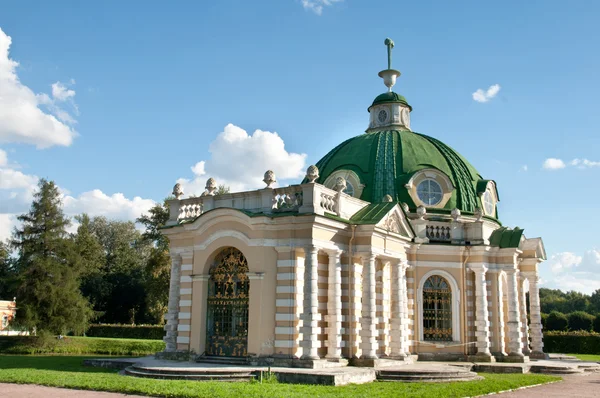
{"x": 379, "y": 362}
{"x": 481, "y": 357}
{"x": 538, "y": 355}
{"x": 515, "y": 358}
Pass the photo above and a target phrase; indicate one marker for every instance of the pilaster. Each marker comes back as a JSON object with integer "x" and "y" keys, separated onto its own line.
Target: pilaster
{"x": 173, "y": 305}
{"x": 399, "y": 312}
{"x": 515, "y": 335}
{"x": 523, "y": 313}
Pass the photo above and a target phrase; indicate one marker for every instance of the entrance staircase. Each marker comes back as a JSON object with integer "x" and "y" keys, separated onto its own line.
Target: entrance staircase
{"x": 225, "y": 361}
{"x": 430, "y": 374}
{"x": 196, "y": 374}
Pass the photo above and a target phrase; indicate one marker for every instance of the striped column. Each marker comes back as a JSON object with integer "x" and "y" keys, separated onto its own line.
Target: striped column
{"x": 368, "y": 320}
{"x": 383, "y": 288}
{"x": 311, "y": 316}
{"x": 334, "y": 306}
{"x": 185, "y": 302}
{"x": 523, "y": 311}
{"x": 537, "y": 344}
{"x": 482, "y": 318}
{"x": 289, "y": 296}
{"x": 409, "y": 308}
{"x": 353, "y": 313}
{"x": 173, "y": 306}
{"x": 515, "y": 335}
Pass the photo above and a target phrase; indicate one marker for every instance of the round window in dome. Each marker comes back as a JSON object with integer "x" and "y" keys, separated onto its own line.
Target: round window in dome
{"x": 429, "y": 192}
{"x": 349, "y": 189}
{"x": 489, "y": 204}
{"x": 382, "y": 116}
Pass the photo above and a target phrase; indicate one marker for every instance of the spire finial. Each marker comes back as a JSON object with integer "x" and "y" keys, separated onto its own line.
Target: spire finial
{"x": 390, "y": 44}
{"x": 389, "y": 75}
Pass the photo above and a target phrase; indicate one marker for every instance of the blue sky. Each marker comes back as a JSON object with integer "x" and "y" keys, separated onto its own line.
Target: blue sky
{"x": 143, "y": 92}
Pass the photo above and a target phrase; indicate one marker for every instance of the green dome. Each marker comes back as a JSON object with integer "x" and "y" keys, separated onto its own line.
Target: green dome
{"x": 390, "y": 97}
{"x": 386, "y": 160}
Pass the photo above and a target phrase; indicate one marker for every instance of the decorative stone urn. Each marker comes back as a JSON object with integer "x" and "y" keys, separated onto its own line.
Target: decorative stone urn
{"x": 269, "y": 178}
{"x": 211, "y": 187}
{"x": 421, "y": 211}
{"x": 312, "y": 173}
{"x": 177, "y": 191}
{"x": 340, "y": 184}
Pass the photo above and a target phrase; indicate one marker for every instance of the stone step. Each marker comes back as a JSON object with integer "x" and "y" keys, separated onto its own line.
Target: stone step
{"x": 468, "y": 376}
{"x": 223, "y": 360}
{"x": 232, "y": 377}
{"x": 412, "y": 372}
{"x": 564, "y": 370}
{"x": 190, "y": 371}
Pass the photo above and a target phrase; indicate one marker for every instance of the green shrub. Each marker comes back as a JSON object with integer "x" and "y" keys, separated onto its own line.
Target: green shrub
{"x": 580, "y": 320}
{"x": 544, "y": 319}
{"x": 78, "y": 345}
{"x": 597, "y": 324}
{"x": 580, "y": 342}
{"x": 146, "y": 332}
{"x": 557, "y": 321}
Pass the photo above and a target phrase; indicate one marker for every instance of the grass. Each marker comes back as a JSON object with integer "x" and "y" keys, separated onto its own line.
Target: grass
{"x": 78, "y": 346}
{"x": 67, "y": 371}
{"x": 587, "y": 357}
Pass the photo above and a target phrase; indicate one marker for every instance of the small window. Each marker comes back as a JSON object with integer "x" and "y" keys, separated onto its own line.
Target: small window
{"x": 429, "y": 192}
{"x": 489, "y": 204}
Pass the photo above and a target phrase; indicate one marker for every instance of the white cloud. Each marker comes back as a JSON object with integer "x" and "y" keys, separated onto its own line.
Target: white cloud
{"x": 21, "y": 117}
{"x": 3, "y": 158}
{"x": 553, "y": 164}
{"x": 485, "y": 96}
{"x": 582, "y": 164}
{"x": 316, "y": 6}
{"x": 97, "y": 203}
{"x": 7, "y": 222}
{"x": 524, "y": 168}
{"x": 570, "y": 271}
{"x": 239, "y": 160}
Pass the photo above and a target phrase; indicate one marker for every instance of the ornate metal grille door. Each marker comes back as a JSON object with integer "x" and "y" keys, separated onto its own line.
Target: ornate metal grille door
{"x": 437, "y": 309}
{"x": 227, "y": 323}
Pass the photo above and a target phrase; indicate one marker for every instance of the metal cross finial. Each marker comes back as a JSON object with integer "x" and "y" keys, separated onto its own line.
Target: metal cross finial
{"x": 390, "y": 44}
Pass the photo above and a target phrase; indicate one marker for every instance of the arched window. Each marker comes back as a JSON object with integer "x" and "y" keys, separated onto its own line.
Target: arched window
{"x": 437, "y": 309}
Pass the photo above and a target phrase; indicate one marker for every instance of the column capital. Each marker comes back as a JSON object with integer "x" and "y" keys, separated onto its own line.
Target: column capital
{"x": 283, "y": 249}
{"x": 312, "y": 249}
{"x": 367, "y": 256}
{"x": 334, "y": 252}
{"x": 478, "y": 268}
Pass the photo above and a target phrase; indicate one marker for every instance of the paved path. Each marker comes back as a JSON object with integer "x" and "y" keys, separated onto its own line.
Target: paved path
{"x": 586, "y": 386}
{"x": 580, "y": 386}
{"x": 33, "y": 391}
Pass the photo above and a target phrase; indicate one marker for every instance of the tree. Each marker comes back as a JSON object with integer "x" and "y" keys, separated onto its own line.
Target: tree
{"x": 48, "y": 268}
{"x": 557, "y": 321}
{"x": 580, "y": 320}
{"x": 595, "y": 301}
{"x": 158, "y": 266}
{"x": 223, "y": 189}
{"x": 7, "y": 273}
{"x": 597, "y": 324}
{"x": 117, "y": 288}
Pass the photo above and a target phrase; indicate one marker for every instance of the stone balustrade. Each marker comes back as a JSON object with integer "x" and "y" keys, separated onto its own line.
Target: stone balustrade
{"x": 304, "y": 199}
{"x": 438, "y": 232}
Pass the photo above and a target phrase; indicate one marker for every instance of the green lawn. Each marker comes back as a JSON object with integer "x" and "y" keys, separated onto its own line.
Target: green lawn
{"x": 587, "y": 357}
{"x": 67, "y": 371}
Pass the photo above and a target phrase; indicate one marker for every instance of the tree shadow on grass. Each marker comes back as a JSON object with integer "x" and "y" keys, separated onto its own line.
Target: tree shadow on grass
{"x": 53, "y": 362}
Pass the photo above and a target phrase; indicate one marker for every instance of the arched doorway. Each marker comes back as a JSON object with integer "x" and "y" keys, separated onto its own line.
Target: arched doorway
{"x": 227, "y": 315}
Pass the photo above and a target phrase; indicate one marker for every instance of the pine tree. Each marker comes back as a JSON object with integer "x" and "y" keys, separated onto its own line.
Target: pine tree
{"x": 7, "y": 273}
{"x": 49, "y": 268}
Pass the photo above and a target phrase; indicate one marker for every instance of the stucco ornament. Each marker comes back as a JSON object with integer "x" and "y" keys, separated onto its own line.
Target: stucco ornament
{"x": 211, "y": 187}
{"x": 269, "y": 178}
{"x": 388, "y": 198}
{"x": 312, "y": 173}
{"x": 421, "y": 211}
{"x": 455, "y": 213}
{"x": 340, "y": 184}
{"x": 478, "y": 213}
{"x": 405, "y": 207}
{"x": 177, "y": 191}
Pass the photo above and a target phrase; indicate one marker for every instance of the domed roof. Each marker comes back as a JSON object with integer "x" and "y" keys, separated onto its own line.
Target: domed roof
{"x": 386, "y": 160}
{"x": 390, "y": 96}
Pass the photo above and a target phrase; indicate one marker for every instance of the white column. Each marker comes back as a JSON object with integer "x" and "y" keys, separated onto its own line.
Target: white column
{"x": 482, "y": 320}
{"x": 514, "y": 318}
{"x": 311, "y": 316}
{"x": 537, "y": 344}
{"x": 500, "y": 315}
{"x": 523, "y": 313}
{"x": 172, "y": 317}
{"x": 334, "y": 306}
{"x": 369, "y": 310}
{"x": 399, "y": 311}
